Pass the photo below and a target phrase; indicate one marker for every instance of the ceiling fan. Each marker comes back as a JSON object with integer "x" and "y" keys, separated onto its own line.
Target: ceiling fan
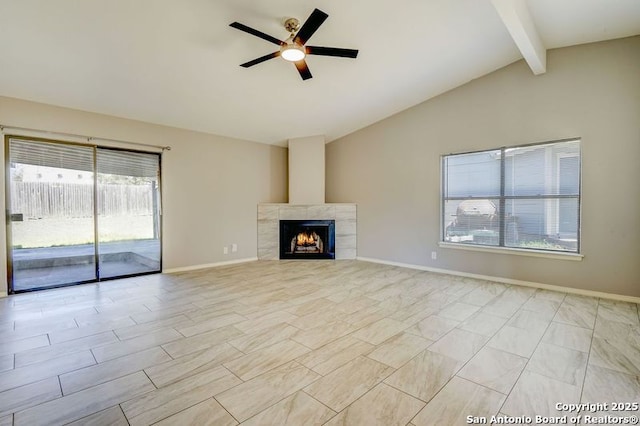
{"x": 294, "y": 48}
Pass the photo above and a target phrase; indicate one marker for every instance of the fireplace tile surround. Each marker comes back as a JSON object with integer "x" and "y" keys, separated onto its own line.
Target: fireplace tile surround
{"x": 269, "y": 216}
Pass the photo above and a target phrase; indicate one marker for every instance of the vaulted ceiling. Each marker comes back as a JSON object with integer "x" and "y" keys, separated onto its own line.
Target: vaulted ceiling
{"x": 177, "y": 62}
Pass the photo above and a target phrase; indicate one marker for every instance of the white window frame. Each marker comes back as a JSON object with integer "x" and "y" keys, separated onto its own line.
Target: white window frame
{"x": 556, "y": 254}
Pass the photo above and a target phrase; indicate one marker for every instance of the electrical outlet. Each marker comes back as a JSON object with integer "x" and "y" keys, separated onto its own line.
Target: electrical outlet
{"x": 434, "y": 255}
{"x": 225, "y": 250}
{"x": 234, "y": 247}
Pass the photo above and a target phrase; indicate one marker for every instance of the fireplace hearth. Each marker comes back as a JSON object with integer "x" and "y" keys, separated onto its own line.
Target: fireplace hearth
{"x": 307, "y": 239}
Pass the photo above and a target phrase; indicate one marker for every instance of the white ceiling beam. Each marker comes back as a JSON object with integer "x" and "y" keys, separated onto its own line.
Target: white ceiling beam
{"x": 516, "y": 17}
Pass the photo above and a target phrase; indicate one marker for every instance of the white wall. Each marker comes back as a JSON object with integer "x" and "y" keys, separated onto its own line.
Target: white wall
{"x": 211, "y": 184}
{"x": 392, "y": 168}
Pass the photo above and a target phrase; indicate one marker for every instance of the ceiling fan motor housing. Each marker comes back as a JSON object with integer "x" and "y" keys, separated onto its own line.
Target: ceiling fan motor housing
{"x": 292, "y": 25}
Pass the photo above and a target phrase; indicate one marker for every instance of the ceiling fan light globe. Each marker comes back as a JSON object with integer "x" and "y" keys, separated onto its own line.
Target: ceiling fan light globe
{"x": 292, "y": 53}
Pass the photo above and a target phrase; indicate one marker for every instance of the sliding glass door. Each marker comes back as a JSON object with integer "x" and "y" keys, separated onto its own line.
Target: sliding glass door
{"x": 50, "y": 207}
{"x": 128, "y": 207}
{"x": 79, "y": 213}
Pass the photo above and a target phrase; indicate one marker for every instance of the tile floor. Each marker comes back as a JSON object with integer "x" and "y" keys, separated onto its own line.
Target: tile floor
{"x": 301, "y": 343}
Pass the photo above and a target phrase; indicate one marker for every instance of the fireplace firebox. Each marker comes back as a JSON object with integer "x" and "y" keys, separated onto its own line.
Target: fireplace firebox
{"x": 307, "y": 239}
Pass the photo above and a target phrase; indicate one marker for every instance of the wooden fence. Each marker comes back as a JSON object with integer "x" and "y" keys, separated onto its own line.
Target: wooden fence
{"x": 48, "y": 199}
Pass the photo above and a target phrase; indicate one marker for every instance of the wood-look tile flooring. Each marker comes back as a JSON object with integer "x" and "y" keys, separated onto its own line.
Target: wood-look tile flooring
{"x": 301, "y": 343}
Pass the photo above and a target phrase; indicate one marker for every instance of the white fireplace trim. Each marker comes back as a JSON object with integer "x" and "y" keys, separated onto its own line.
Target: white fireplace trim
{"x": 269, "y": 216}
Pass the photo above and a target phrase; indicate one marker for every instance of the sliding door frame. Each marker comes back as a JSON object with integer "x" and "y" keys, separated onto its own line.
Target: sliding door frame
{"x": 8, "y": 225}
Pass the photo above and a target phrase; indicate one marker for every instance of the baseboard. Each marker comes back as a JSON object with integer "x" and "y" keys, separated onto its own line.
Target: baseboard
{"x": 510, "y": 281}
{"x": 3, "y": 294}
{"x": 208, "y": 265}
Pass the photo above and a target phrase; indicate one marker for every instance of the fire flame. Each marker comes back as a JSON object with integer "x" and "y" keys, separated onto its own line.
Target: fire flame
{"x": 306, "y": 239}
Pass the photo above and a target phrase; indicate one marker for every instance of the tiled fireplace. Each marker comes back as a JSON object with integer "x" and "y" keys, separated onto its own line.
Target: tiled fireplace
{"x": 318, "y": 231}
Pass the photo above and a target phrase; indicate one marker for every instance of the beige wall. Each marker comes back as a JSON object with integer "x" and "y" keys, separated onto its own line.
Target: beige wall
{"x": 211, "y": 184}
{"x": 306, "y": 170}
{"x": 392, "y": 168}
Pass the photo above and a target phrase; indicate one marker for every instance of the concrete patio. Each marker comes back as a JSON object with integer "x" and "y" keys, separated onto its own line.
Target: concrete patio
{"x": 52, "y": 266}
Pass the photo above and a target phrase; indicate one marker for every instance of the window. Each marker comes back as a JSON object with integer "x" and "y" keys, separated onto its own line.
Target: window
{"x": 525, "y": 197}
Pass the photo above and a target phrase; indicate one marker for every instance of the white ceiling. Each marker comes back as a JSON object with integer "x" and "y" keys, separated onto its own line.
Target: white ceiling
{"x": 176, "y": 62}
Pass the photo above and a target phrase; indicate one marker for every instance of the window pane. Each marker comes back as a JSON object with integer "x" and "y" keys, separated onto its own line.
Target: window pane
{"x": 542, "y": 224}
{"x": 128, "y": 212}
{"x": 51, "y": 214}
{"x": 472, "y": 222}
{"x": 569, "y": 175}
{"x": 547, "y": 169}
{"x": 472, "y": 175}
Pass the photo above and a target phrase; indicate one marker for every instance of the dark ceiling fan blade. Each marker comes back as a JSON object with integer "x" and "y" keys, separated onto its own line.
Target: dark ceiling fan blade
{"x": 303, "y": 69}
{"x": 311, "y": 25}
{"x": 267, "y": 37}
{"x": 332, "y": 51}
{"x": 261, "y": 59}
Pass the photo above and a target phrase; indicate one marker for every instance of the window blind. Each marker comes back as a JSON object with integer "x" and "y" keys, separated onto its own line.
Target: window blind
{"x": 523, "y": 197}
{"x": 80, "y": 157}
